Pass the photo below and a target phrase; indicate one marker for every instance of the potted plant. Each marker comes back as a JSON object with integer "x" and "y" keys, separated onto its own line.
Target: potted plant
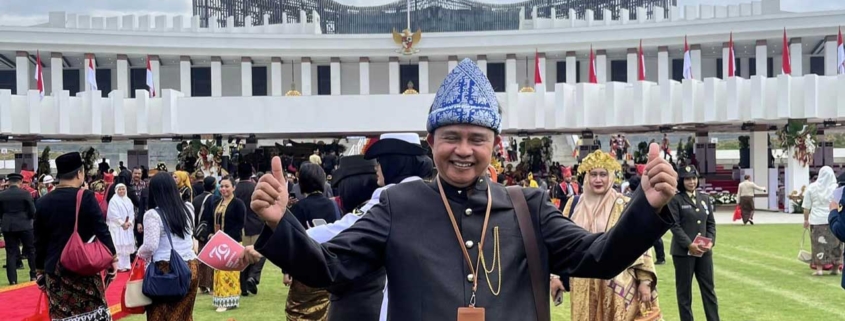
{"x": 744, "y": 152}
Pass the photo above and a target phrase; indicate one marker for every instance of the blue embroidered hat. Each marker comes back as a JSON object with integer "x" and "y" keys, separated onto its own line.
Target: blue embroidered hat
{"x": 465, "y": 97}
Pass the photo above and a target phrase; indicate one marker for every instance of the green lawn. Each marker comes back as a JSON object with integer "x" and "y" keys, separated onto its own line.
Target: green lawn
{"x": 757, "y": 278}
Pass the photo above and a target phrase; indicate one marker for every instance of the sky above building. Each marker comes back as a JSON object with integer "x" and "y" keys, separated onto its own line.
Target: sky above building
{"x": 24, "y": 13}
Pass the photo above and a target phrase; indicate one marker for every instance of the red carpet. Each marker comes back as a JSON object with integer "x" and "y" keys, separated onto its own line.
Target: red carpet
{"x": 21, "y": 301}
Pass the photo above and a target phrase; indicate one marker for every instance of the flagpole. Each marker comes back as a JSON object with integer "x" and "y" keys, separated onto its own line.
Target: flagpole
{"x": 409, "y": 15}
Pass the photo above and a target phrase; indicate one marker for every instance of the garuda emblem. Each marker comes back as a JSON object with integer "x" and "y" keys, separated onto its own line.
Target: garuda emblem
{"x": 407, "y": 40}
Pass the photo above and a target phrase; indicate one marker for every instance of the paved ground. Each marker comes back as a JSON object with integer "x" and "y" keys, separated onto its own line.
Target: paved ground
{"x": 760, "y": 217}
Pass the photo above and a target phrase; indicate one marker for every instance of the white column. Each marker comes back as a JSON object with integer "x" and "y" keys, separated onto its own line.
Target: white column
{"x": 632, "y": 65}
{"x": 761, "y": 58}
{"x": 745, "y": 68}
{"x": 423, "y": 75}
{"x": 276, "y": 76}
{"x": 510, "y": 71}
{"x": 22, "y": 73}
{"x": 571, "y": 68}
{"x": 725, "y": 53}
{"x": 89, "y": 57}
{"x": 481, "y": 61}
{"x": 760, "y": 165}
{"x": 601, "y": 66}
{"x": 306, "y": 76}
{"x": 796, "y": 57}
{"x": 830, "y": 58}
{"x": 334, "y": 65}
{"x": 695, "y": 56}
{"x": 246, "y": 76}
{"x": 216, "y": 77}
{"x": 393, "y": 76}
{"x": 453, "y": 62}
{"x": 29, "y": 151}
{"x": 57, "y": 69}
{"x": 155, "y": 65}
{"x": 364, "y": 75}
{"x": 185, "y": 75}
{"x": 122, "y": 71}
{"x": 663, "y": 65}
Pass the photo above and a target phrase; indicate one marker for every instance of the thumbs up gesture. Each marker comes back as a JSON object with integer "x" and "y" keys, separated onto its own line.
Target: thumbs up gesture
{"x": 270, "y": 198}
{"x": 659, "y": 181}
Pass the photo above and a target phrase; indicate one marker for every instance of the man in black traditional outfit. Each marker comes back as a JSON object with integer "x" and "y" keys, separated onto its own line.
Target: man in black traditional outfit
{"x": 432, "y": 255}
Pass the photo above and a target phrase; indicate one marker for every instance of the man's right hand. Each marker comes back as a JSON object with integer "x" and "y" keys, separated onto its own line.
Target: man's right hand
{"x": 270, "y": 198}
{"x": 696, "y": 249}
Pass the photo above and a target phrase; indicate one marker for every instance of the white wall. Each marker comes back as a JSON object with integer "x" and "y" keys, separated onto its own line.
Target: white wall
{"x": 286, "y": 76}
{"x": 379, "y": 78}
{"x": 437, "y": 71}
{"x": 231, "y": 77}
{"x": 708, "y": 68}
{"x": 551, "y": 74}
{"x": 521, "y": 73}
{"x": 170, "y": 78}
{"x": 651, "y": 69}
{"x": 350, "y": 78}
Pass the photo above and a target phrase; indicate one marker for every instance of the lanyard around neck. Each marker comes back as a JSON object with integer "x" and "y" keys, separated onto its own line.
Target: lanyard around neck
{"x": 472, "y": 268}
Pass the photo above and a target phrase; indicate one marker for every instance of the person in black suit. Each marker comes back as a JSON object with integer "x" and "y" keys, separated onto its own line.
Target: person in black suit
{"x": 253, "y": 225}
{"x": 17, "y": 211}
{"x": 693, "y": 212}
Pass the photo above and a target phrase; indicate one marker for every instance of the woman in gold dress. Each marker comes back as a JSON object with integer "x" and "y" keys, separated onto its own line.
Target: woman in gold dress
{"x": 228, "y": 216}
{"x": 630, "y": 295}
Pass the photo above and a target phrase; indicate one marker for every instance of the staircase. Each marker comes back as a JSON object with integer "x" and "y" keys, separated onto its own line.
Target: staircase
{"x": 562, "y": 148}
{"x": 721, "y": 181}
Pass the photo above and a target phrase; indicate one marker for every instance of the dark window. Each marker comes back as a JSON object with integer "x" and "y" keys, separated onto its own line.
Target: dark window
{"x": 9, "y": 80}
{"x": 70, "y": 78}
{"x": 324, "y": 80}
{"x": 619, "y": 70}
{"x": 817, "y": 65}
{"x": 201, "y": 81}
{"x": 496, "y": 75}
{"x": 561, "y": 71}
{"x": 409, "y": 73}
{"x": 678, "y": 69}
{"x": 259, "y": 81}
{"x": 137, "y": 80}
{"x": 104, "y": 81}
{"x": 770, "y": 65}
{"x": 719, "y": 68}
{"x": 752, "y": 67}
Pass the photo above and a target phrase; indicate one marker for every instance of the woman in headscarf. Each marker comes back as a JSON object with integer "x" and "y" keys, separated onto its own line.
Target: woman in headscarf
{"x": 827, "y": 249}
{"x": 121, "y": 219}
{"x": 183, "y": 183}
{"x": 125, "y": 178}
{"x": 632, "y": 293}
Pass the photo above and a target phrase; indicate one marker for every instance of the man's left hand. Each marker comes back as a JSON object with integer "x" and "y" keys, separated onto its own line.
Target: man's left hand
{"x": 660, "y": 180}
{"x": 834, "y": 205}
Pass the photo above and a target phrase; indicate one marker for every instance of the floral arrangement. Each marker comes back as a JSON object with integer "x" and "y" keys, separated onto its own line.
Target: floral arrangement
{"x": 744, "y": 142}
{"x": 801, "y": 138}
{"x": 44, "y": 162}
{"x": 797, "y": 199}
{"x": 89, "y": 158}
{"x": 641, "y": 154}
{"x": 722, "y": 198}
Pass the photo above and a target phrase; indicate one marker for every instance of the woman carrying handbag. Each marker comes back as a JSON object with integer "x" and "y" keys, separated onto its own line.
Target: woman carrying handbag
{"x": 168, "y": 238}
{"x": 72, "y": 247}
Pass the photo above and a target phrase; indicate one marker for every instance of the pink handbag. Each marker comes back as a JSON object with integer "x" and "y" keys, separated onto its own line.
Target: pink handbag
{"x": 84, "y": 258}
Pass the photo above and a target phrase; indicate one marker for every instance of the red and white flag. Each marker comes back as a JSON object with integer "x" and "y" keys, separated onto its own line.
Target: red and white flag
{"x": 840, "y": 50}
{"x": 150, "y": 82}
{"x": 39, "y": 79}
{"x": 538, "y": 78}
{"x": 91, "y": 73}
{"x": 593, "y": 78}
{"x": 687, "y": 61}
{"x": 640, "y": 63}
{"x": 787, "y": 63}
{"x": 731, "y": 59}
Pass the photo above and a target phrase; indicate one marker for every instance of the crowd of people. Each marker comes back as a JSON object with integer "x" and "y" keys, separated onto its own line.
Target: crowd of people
{"x": 346, "y": 231}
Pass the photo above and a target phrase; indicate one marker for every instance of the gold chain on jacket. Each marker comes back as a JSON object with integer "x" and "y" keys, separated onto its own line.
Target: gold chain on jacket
{"x": 497, "y": 260}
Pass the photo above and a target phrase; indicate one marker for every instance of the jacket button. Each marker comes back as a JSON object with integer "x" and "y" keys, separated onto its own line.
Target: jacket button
{"x": 697, "y": 209}
{"x": 469, "y": 244}
{"x": 470, "y": 277}
{"x": 699, "y": 221}
{"x": 468, "y": 212}
{"x": 698, "y": 234}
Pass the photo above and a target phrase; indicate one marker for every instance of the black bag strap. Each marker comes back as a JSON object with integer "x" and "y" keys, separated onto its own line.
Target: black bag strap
{"x": 532, "y": 252}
